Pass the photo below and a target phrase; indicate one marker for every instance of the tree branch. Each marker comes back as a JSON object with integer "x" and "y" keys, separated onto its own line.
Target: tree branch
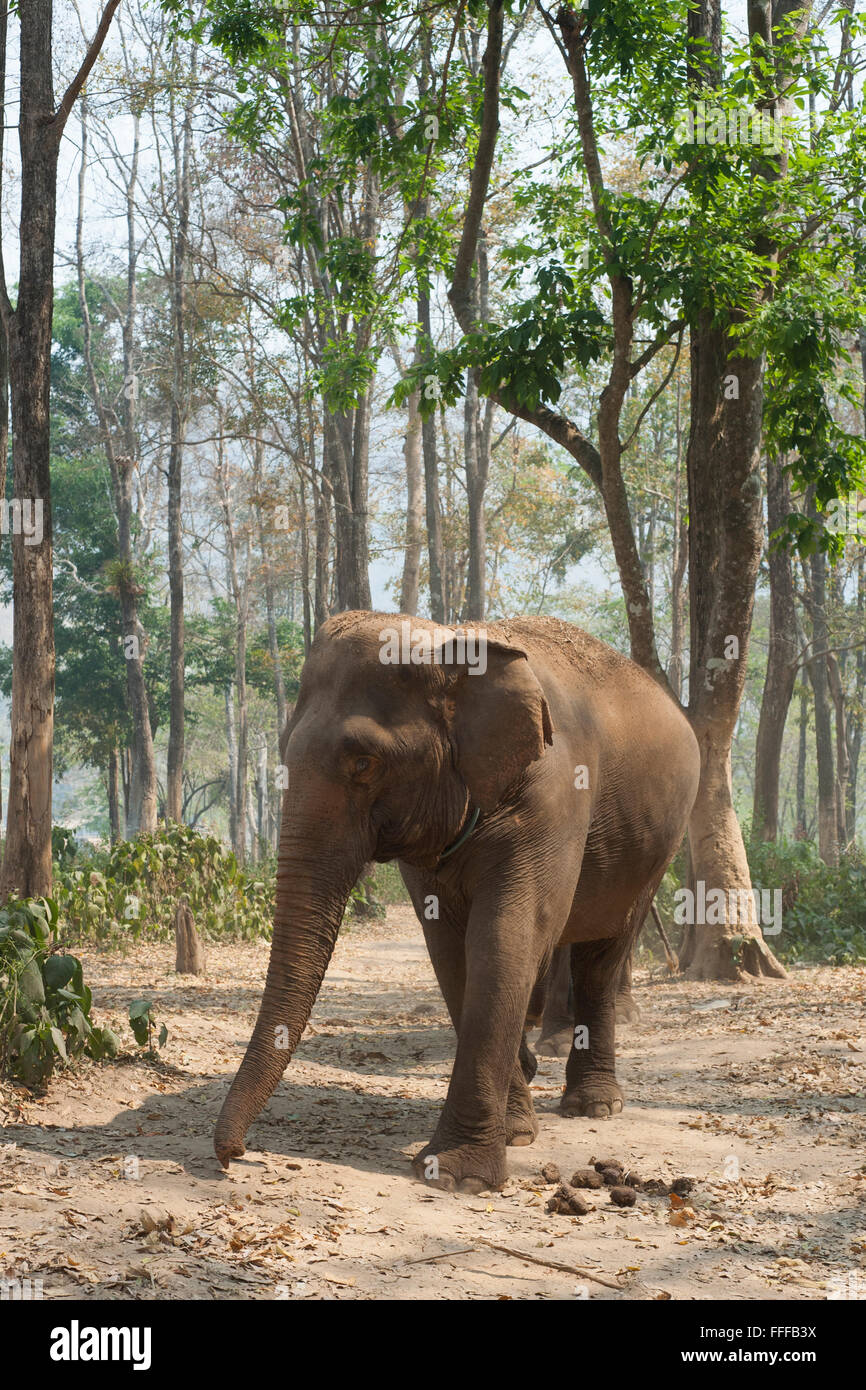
{"x": 460, "y": 293}
{"x": 71, "y": 94}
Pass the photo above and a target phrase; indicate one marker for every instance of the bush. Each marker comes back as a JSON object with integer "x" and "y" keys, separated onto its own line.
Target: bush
{"x": 44, "y": 1002}
{"x": 823, "y": 906}
{"x": 133, "y": 890}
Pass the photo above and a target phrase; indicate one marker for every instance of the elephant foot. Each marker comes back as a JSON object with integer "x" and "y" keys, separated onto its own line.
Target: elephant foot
{"x": 518, "y": 1136}
{"x": 627, "y": 1010}
{"x": 555, "y": 1044}
{"x": 521, "y": 1126}
{"x": 469, "y": 1168}
{"x": 596, "y": 1097}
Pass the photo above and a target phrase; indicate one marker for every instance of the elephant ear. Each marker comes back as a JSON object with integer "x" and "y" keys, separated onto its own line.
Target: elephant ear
{"x": 499, "y": 722}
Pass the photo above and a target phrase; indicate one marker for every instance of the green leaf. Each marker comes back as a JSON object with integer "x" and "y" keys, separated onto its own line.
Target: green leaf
{"x": 59, "y": 970}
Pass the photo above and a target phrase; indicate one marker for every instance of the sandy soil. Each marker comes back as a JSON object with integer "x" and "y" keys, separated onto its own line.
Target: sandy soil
{"x": 110, "y": 1188}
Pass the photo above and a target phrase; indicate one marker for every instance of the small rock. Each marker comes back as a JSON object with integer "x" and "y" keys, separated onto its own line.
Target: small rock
{"x": 551, "y": 1173}
{"x": 623, "y": 1196}
{"x": 586, "y": 1177}
{"x": 568, "y": 1202}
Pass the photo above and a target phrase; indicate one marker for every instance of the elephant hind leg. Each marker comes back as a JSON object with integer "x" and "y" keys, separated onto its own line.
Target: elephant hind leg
{"x": 591, "y": 1086}
{"x": 599, "y": 970}
{"x": 627, "y": 1010}
{"x": 557, "y": 1018}
{"x": 527, "y": 1061}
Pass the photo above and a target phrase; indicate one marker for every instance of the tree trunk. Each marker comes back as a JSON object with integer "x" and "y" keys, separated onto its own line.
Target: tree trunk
{"x": 414, "y": 508}
{"x": 122, "y": 466}
{"x": 180, "y": 251}
{"x": 476, "y": 449}
{"x": 322, "y": 505}
{"x": 238, "y": 587}
{"x": 800, "y": 829}
{"x": 190, "y": 957}
{"x": 782, "y": 663}
{"x": 273, "y": 640}
{"x": 855, "y": 724}
{"x": 432, "y": 505}
{"x": 305, "y": 564}
{"x": 725, "y": 544}
{"x": 828, "y": 828}
{"x": 232, "y": 744}
{"x": 27, "y": 858}
{"x": 843, "y": 764}
{"x": 262, "y": 806}
{"x": 725, "y": 541}
{"x": 114, "y": 796}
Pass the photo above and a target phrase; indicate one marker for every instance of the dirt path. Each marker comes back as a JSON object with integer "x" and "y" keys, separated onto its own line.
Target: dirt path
{"x": 109, "y": 1188}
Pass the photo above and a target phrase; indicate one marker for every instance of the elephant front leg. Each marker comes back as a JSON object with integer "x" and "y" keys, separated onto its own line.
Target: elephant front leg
{"x": 488, "y": 1103}
{"x": 521, "y": 1126}
{"x": 591, "y": 1086}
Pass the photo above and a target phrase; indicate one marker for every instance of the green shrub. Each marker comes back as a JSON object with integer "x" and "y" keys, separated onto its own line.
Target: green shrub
{"x": 823, "y": 906}
{"x": 388, "y": 886}
{"x": 142, "y": 1021}
{"x": 133, "y": 890}
{"x": 44, "y": 1002}
{"x": 64, "y": 845}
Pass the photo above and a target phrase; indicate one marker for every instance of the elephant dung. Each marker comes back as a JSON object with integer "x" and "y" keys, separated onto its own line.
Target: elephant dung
{"x": 623, "y": 1196}
{"x": 551, "y": 1173}
{"x": 586, "y": 1177}
{"x": 601, "y": 1164}
{"x": 568, "y": 1202}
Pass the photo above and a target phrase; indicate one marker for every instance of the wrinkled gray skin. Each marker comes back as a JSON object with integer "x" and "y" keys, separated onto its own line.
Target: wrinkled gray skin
{"x": 388, "y": 762}
{"x": 557, "y": 1019}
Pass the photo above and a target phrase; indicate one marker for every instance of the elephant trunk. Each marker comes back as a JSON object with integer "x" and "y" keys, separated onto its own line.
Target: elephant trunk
{"x": 307, "y": 920}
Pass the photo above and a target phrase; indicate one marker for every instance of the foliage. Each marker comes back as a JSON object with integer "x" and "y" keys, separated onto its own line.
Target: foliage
{"x": 142, "y": 1021}
{"x": 64, "y": 845}
{"x": 135, "y": 888}
{"x": 823, "y": 905}
{"x": 44, "y": 1002}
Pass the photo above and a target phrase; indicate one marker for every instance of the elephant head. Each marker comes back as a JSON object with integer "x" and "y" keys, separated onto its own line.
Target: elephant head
{"x": 387, "y": 755}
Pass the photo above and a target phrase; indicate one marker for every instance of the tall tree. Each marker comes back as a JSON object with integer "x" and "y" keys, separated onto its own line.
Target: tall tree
{"x": 122, "y": 449}
{"x": 782, "y": 659}
{"x": 177, "y": 217}
{"x": 41, "y": 122}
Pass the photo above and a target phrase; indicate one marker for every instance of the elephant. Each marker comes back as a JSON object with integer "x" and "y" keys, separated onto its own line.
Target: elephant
{"x": 533, "y": 784}
{"x": 557, "y": 1014}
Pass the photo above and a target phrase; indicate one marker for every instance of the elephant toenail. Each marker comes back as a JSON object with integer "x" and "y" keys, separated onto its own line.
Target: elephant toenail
{"x": 473, "y": 1186}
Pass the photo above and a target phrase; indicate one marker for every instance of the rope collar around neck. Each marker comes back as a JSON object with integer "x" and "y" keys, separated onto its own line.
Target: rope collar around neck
{"x": 462, "y": 838}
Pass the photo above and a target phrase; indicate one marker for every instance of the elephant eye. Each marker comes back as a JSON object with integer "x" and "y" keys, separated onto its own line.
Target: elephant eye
{"x": 361, "y": 764}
